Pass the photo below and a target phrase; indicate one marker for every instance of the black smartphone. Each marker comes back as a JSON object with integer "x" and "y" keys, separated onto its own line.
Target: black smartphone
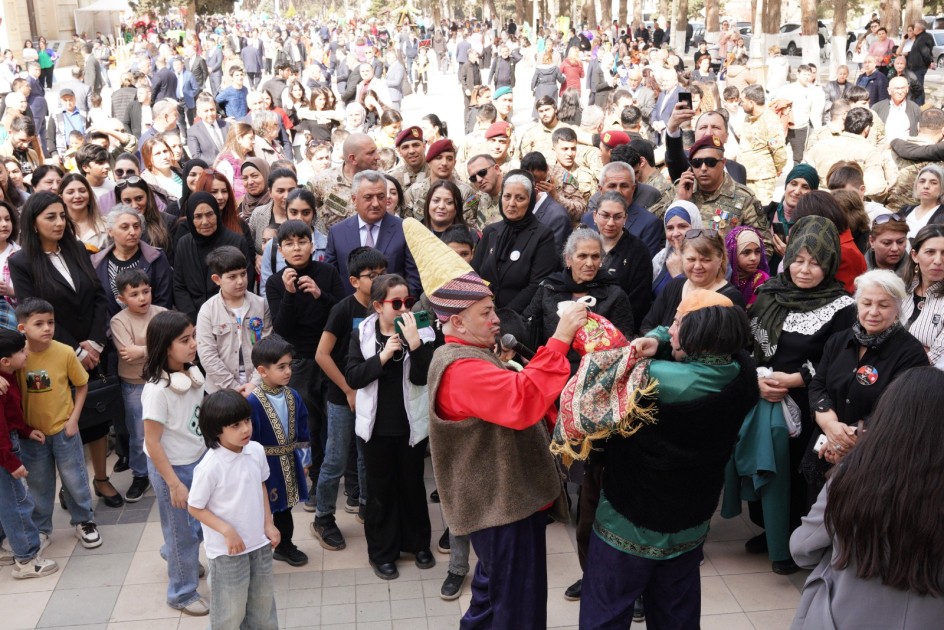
{"x": 781, "y": 231}
{"x": 686, "y": 97}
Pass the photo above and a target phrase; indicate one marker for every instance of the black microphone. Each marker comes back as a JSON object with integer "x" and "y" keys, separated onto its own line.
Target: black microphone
{"x": 508, "y": 341}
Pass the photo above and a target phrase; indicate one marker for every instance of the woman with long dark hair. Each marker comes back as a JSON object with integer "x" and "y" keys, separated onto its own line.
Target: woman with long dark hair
{"x": 923, "y": 307}
{"x": 82, "y": 208}
{"x": 160, "y": 169}
{"x": 55, "y": 266}
{"x": 881, "y": 568}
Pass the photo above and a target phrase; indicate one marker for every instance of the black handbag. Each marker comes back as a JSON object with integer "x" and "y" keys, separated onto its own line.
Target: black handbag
{"x": 104, "y": 403}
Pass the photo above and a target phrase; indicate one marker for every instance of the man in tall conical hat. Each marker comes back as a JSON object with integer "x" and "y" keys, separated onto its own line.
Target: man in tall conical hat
{"x": 497, "y": 478}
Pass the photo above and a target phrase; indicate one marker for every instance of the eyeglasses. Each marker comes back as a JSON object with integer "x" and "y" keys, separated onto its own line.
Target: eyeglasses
{"x": 120, "y": 172}
{"x": 699, "y": 232}
{"x": 474, "y": 177}
{"x": 131, "y": 181}
{"x": 882, "y": 219}
{"x": 710, "y": 162}
{"x": 615, "y": 218}
{"x": 372, "y": 275}
{"x": 399, "y": 303}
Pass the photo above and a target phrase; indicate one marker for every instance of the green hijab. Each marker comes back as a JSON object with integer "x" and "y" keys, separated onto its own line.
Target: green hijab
{"x": 779, "y": 296}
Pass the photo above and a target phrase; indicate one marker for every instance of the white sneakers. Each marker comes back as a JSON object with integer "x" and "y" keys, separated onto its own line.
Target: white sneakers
{"x": 34, "y": 568}
{"x": 88, "y": 535}
{"x": 197, "y": 608}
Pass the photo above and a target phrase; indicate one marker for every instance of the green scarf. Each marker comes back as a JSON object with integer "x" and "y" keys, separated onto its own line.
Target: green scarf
{"x": 779, "y": 296}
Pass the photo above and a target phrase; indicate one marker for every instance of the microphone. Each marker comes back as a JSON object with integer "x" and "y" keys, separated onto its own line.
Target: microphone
{"x": 508, "y": 341}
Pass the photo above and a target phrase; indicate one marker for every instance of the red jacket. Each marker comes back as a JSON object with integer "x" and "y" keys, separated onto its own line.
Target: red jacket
{"x": 573, "y": 72}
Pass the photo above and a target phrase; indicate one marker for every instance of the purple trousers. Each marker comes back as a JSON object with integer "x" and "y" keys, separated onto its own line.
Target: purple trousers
{"x": 509, "y": 586}
{"x": 612, "y": 580}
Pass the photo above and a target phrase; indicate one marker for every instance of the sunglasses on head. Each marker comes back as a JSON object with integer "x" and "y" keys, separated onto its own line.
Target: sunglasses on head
{"x": 882, "y": 219}
{"x": 474, "y": 177}
{"x": 399, "y": 303}
{"x": 699, "y": 232}
{"x": 710, "y": 162}
{"x": 131, "y": 181}
{"x": 120, "y": 172}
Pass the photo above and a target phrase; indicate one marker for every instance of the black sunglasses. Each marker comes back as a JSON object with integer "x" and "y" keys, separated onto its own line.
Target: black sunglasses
{"x": 882, "y": 219}
{"x": 710, "y": 162}
{"x": 399, "y": 303}
{"x": 474, "y": 177}
{"x": 131, "y": 181}
{"x": 120, "y": 172}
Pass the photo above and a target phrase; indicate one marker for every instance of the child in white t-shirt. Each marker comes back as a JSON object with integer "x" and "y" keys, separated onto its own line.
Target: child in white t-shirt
{"x": 229, "y": 498}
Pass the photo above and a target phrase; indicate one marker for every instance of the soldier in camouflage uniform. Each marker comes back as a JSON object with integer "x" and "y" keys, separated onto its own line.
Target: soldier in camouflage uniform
{"x": 498, "y": 136}
{"x": 573, "y": 185}
{"x": 647, "y": 173}
{"x": 723, "y": 203}
{"x": 412, "y": 149}
{"x": 332, "y": 188}
{"x": 487, "y": 178}
{"x": 538, "y": 136}
{"x": 762, "y": 147}
{"x": 441, "y": 158}
{"x": 913, "y": 154}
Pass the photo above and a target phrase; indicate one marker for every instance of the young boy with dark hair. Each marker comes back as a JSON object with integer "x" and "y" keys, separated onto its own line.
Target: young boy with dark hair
{"x": 50, "y": 372}
{"x": 21, "y": 539}
{"x": 129, "y": 332}
{"x": 300, "y": 296}
{"x": 230, "y": 323}
{"x": 364, "y": 264}
{"x": 459, "y": 238}
{"x": 228, "y": 497}
{"x": 280, "y": 425}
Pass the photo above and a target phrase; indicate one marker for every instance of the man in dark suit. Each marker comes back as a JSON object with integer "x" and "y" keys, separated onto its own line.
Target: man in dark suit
{"x": 251, "y": 55}
{"x": 711, "y": 123}
{"x": 665, "y": 103}
{"x": 462, "y": 50}
{"x": 197, "y": 66}
{"x": 372, "y": 226}
{"x": 206, "y": 138}
{"x": 898, "y": 112}
{"x": 214, "y": 62}
{"x": 36, "y": 102}
{"x": 163, "y": 81}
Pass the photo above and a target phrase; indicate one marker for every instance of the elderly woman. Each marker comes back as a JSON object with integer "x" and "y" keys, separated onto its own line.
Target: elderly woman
{"x": 801, "y": 179}
{"x": 265, "y": 124}
{"x": 929, "y": 191}
{"x": 888, "y": 243}
{"x": 581, "y": 278}
{"x": 857, "y": 365}
{"x": 681, "y": 217}
{"x": 125, "y": 226}
{"x": 851, "y": 261}
{"x": 922, "y": 310}
{"x": 704, "y": 265}
{"x": 796, "y": 312}
{"x": 516, "y": 254}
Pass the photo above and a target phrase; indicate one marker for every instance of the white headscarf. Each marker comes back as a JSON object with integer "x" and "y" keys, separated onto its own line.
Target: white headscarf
{"x": 694, "y": 218}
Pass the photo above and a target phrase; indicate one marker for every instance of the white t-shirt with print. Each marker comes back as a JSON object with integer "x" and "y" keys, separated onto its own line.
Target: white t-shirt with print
{"x": 179, "y": 413}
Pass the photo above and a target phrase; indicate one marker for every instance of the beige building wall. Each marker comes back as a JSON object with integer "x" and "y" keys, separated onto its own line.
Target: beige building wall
{"x": 54, "y": 21}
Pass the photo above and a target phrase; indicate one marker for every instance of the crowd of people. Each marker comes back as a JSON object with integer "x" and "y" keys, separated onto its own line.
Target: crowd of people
{"x": 242, "y": 265}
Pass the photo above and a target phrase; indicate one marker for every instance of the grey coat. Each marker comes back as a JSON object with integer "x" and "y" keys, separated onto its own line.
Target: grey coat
{"x": 834, "y": 598}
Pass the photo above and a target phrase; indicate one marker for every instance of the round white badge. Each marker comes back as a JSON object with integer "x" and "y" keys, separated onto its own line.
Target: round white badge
{"x": 515, "y": 255}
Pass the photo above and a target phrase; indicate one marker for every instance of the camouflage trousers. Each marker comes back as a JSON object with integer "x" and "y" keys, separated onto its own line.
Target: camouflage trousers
{"x": 763, "y": 189}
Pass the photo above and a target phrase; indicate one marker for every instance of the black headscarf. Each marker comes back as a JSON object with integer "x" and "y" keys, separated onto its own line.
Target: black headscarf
{"x": 189, "y": 165}
{"x": 197, "y": 199}
{"x": 509, "y": 234}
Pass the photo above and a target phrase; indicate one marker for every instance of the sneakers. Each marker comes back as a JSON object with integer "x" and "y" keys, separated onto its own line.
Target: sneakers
{"x": 34, "y": 567}
{"x": 443, "y": 544}
{"x": 451, "y": 587}
{"x": 351, "y": 504}
{"x": 139, "y": 485}
{"x": 6, "y": 555}
{"x": 290, "y": 555}
{"x": 197, "y": 608}
{"x": 326, "y": 531}
{"x": 88, "y": 535}
{"x": 311, "y": 503}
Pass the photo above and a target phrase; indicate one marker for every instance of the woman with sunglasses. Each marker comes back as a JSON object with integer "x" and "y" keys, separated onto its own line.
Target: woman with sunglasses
{"x": 160, "y": 169}
{"x": 704, "y": 266}
{"x": 888, "y": 244}
{"x": 159, "y": 227}
{"x": 82, "y": 209}
{"x": 929, "y": 191}
{"x": 922, "y": 311}
{"x": 796, "y": 312}
{"x": 383, "y": 365}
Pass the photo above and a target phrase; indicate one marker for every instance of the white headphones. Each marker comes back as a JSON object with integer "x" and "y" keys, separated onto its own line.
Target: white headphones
{"x": 180, "y": 382}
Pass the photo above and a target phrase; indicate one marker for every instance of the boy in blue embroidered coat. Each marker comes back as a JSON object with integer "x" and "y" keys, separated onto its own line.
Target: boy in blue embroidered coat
{"x": 280, "y": 424}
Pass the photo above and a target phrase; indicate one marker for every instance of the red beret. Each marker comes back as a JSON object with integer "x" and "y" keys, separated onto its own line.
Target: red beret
{"x": 614, "y": 139}
{"x": 439, "y": 147}
{"x": 710, "y": 141}
{"x": 498, "y": 129}
{"x": 410, "y": 133}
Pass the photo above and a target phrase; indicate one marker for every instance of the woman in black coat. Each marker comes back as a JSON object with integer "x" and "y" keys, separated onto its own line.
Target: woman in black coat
{"x": 54, "y": 266}
{"x": 514, "y": 256}
{"x": 192, "y": 283}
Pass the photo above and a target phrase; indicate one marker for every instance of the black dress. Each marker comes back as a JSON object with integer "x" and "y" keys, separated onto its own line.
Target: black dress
{"x": 515, "y": 280}
{"x": 663, "y": 309}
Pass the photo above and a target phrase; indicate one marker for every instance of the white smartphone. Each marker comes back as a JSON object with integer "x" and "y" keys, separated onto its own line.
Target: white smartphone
{"x": 820, "y": 443}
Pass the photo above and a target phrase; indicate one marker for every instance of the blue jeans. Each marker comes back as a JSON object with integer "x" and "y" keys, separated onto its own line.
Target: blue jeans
{"x": 241, "y": 592}
{"x": 182, "y": 538}
{"x": 134, "y": 420}
{"x": 16, "y": 512}
{"x": 66, "y": 455}
{"x": 340, "y": 433}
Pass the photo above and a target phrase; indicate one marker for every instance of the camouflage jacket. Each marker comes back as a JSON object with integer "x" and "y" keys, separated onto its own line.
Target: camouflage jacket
{"x": 762, "y": 149}
{"x": 333, "y": 196}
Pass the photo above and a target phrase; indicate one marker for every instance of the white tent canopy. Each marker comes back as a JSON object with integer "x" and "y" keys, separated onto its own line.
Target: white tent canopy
{"x": 101, "y": 16}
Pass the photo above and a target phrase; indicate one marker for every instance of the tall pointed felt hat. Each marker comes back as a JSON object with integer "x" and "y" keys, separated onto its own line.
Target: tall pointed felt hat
{"x": 449, "y": 282}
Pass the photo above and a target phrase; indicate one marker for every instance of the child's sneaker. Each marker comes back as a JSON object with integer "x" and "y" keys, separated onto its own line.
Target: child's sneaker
{"x": 88, "y": 535}
{"x": 6, "y": 551}
{"x": 34, "y": 567}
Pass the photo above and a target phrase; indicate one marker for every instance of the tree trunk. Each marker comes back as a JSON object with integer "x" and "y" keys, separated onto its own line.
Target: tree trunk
{"x": 680, "y": 26}
{"x": 663, "y": 12}
{"x": 606, "y": 13}
{"x": 492, "y": 13}
{"x": 889, "y": 15}
{"x": 712, "y": 22}
{"x": 771, "y": 17}
{"x": 521, "y": 11}
{"x": 840, "y": 31}
{"x": 588, "y": 14}
{"x": 624, "y": 12}
{"x": 914, "y": 10}
{"x": 809, "y": 42}
{"x": 190, "y": 21}
{"x": 637, "y": 12}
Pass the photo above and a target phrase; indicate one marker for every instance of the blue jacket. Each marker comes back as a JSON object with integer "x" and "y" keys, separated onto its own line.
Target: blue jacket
{"x": 233, "y": 101}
